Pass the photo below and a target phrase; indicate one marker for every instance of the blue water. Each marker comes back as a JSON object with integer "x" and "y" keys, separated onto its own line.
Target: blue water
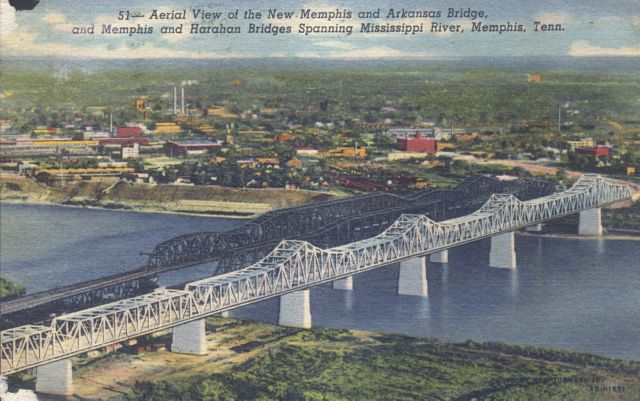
{"x": 566, "y": 293}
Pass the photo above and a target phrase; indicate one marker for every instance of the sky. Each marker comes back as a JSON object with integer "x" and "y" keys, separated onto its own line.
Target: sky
{"x": 605, "y": 28}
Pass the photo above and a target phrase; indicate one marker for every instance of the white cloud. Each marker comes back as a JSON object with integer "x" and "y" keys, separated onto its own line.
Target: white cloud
{"x": 336, "y": 44}
{"x": 635, "y": 20}
{"x": 585, "y": 49}
{"x": 553, "y": 17}
{"x": 22, "y": 41}
{"x": 7, "y": 18}
{"x": 58, "y": 21}
{"x": 373, "y": 52}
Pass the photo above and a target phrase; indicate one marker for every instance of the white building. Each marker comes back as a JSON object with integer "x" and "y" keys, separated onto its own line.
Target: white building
{"x": 130, "y": 151}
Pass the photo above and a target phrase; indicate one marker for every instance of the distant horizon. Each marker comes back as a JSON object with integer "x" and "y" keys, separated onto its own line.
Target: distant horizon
{"x": 521, "y": 62}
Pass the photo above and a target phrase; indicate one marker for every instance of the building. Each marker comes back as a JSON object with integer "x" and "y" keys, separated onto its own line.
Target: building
{"x": 124, "y": 141}
{"x": 220, "y": 112}
{"x": 43, "y": 130}
{"x": 167, "y": 128}
{"x": 95, "y": 135}
{"x": 396, "y": 133}
{"x": 467, "y": 137}
{"x": 581, "y": 143}
{"x": 446, "y": 145}
{"x": 310, "y": 152}
{"x": 294, "y": 163}
{"x": 130, "y": 151}
{"x": 347, "y": 152}
{"x": 417, "y": 144}
{"x": 597, "y": 151}
{"x": 128, "y": 132}
{"x": 534, "y": 78}
{"x": 187, "y": 148}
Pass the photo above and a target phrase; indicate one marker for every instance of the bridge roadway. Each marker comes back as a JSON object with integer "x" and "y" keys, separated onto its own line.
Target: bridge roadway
{"x": 291, "y": 267}
{"x": 325, "y": 224}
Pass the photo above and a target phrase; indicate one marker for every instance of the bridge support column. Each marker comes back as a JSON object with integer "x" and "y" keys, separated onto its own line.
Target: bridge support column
{"x": 590, "y": 222}
{"x": 295, "y": 309}
{"x": 190, "y": 338}
{"x": 55, "y": 378}
{"x": 503, "y": 251}
{"x": 412, "y": 278}
{"x": 440, "y": 257}
{"x": 344, "y": 284}
{"x": 534, "y": 228}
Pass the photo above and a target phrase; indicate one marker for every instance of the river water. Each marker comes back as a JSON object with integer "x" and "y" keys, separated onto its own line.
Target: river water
{"x": 566, "y": 293}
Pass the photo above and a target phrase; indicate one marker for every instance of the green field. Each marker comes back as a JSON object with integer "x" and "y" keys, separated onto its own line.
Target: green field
{"x": 251, "y": 361}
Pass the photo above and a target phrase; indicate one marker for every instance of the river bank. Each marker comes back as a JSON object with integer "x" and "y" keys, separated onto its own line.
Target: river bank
{"x": 614, "y": 236}
{"x": 213, "y": 201}
{"x": 248, "y": 361}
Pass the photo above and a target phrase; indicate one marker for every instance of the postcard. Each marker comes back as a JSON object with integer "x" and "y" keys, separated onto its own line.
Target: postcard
{"x": 319, "y": 200}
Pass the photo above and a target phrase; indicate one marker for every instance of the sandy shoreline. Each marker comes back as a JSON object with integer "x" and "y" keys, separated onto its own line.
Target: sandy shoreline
{"x": 613, "y": 237}
{"x": 126, "y": 208}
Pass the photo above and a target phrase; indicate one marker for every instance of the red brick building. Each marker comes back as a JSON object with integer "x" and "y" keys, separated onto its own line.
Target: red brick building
{"x": 417, "y": 144}
{"x": 597, "y": 151}
{"x": 128, "y": 132}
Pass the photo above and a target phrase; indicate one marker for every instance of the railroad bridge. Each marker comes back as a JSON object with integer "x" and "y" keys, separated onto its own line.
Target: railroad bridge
{"x": 325, "y": 224}
{"x": 288, "y": 271}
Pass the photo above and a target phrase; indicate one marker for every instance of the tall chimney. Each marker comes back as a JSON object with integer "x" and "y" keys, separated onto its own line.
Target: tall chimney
{"x": 110, "y": 123}
{"x": 182, "y": 103}
{"x": 175, "y": 101}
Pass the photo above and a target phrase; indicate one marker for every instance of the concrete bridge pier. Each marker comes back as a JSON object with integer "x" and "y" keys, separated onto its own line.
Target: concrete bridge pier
{"x": 503, "y": 251}
{"x": 412, "y": 277}
{"x": 534, "y": 228}
{"x": 190, "y": 338}
{"x": 590, "y": 222}
{"x": 55, "y": 378}
{"x": 344, "y": 284}
{"x": 440, "y": 257}
{"x": 295, "y": 309}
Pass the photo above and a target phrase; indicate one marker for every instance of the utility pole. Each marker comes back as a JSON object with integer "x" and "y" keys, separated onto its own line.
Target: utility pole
{"x": 559, "y": 110}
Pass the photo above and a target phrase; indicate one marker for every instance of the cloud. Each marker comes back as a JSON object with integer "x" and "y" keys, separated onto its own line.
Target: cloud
{"x": 336, "y": 44}
{"x": 553, "y": 17}
{"x": 635, "y": 20}
{"x": 22, "y": 41}
{"x": 585, "y": 49}
{"x": 58, "y": 21}
{"x": 373, "y": 52}
{"x": 7, "y": 18}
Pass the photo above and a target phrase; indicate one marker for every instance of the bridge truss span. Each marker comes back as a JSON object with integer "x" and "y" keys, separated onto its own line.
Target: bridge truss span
{"x": 291, "y": 266}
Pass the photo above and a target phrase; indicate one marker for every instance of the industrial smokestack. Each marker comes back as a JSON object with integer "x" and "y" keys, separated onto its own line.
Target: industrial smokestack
{"x": 175, "y": 100}
{"x": 182, "y": 102}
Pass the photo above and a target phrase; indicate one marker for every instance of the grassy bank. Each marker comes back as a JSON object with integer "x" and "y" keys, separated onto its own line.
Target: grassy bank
{"x": 250, "y": 361}
{"x": 10, "y": 289}
{"x": 205, "y": 200}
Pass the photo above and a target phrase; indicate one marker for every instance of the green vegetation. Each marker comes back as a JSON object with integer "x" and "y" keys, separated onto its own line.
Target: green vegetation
{"x": 10, "y": 289}
{"x": 328, "y": 364}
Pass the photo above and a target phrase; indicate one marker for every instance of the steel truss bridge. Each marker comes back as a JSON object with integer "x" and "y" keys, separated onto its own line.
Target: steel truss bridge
{"x": 324, "y": 224}
{"x": 292, "y": 266}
